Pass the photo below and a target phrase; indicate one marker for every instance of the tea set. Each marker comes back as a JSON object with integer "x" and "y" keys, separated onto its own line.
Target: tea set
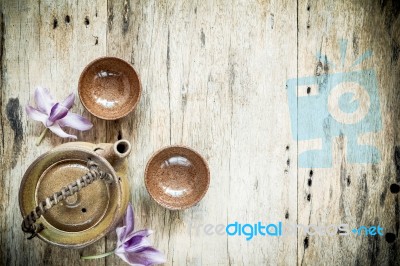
{"x": 74, "y": 194}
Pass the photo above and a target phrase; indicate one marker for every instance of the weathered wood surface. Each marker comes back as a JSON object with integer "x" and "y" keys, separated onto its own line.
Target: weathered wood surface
{"x": 214, "y": 78}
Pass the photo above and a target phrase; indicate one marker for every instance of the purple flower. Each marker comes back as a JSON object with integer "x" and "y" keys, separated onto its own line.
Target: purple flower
{"x": 135, "y": 247}
{"x": 55, "y": 115}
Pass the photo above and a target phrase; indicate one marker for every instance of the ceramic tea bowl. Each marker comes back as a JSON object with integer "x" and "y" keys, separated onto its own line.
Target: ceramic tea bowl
{"x": 109, "y": 88}
{"x": 177, "y": 177}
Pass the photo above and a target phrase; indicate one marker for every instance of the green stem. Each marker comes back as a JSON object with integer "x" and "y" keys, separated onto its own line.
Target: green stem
{"x": 40, "y": 138}
{"x": 98, "y": 256}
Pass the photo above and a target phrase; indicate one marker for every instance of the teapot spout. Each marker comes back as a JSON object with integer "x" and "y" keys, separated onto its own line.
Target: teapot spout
{"x": 117, "y": 152}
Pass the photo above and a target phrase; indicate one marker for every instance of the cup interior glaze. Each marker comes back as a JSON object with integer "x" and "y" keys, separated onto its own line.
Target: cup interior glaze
{"x": 109, "y": 88}
{"x": 177, "y": 177}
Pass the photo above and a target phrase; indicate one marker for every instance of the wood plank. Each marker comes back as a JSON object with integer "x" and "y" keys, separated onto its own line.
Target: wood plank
{"x": 41, "y": 48}
{"x": 206, "y": 70}
{"x": 219, "y": 76}
{"x": 355, "y": 193}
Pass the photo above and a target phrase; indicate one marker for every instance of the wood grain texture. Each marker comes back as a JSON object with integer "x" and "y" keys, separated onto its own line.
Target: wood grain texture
{"x": 214, "y": 78}
{"x": 356, "y": 194}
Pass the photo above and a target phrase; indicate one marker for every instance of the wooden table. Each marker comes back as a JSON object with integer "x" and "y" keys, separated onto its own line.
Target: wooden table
{"x": 215, "y": 78}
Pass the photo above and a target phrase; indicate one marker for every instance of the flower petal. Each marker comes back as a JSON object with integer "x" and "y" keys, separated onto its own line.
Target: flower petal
{"x": 43, "y": 100}
{"x": 69, "y": 101}
{"x": 36, "y": 114}
{"x": 142, "y": 233}
{"x": 124, "y": 257}
{"x": 128, "y": 226}
{"x": 57, "y": 112}
{"x": 136, "y": 244}
{"x": 148, "y": 256}
{"x": 56, "y": 129}
{"x": 144, "y": 243}
{"x": 121, "y": 235}
{"x": 75, "y": 121}
{"x": 129, "y": 220}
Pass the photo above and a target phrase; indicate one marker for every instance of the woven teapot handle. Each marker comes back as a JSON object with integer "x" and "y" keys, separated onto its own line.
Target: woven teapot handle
{"x": 29, "y": 223}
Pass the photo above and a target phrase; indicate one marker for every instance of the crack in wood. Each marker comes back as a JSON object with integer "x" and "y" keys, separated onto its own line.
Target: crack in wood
{"x": 2, "y": 51}
{"x": 168, "y": 87}
{"x": 13, "y": 112}
{"x": 126, "y": 17}
{"x": 110, "y": 18}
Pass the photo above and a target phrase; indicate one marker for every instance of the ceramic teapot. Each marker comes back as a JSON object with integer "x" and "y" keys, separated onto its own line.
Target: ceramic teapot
{"x": 76, "y": 193}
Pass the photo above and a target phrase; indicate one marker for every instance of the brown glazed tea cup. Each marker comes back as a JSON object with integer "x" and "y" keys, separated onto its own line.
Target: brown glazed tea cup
{"x": 177, "y": 177}
{"x": 109, "y": 88}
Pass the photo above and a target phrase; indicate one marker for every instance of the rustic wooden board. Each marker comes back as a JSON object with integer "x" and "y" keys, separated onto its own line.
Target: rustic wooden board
{"x": 214, "y": 77}
{"x": 356, "y": 194}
